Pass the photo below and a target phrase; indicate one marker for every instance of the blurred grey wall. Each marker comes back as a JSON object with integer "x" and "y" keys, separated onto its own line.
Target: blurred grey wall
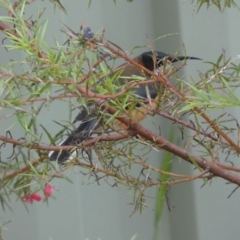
{"x": 88, "y": 211}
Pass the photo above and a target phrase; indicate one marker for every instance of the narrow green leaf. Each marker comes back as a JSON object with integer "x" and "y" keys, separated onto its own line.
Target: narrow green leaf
{"x": 43, "y": 31}
{"x": 161, "y": 194}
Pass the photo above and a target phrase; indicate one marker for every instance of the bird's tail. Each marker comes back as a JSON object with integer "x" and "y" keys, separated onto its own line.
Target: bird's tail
{"x": 86, "y": 128}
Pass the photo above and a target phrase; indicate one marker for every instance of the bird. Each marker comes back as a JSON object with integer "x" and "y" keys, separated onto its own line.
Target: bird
{"x": 91, "y": 120}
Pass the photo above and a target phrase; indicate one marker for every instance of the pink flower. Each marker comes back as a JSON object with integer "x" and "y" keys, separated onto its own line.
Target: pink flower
{"x": 48, "y": 190}
{"x": 27, "y": 199}
{"x": 31, "y": 197}
{"x": 36, "y": 197}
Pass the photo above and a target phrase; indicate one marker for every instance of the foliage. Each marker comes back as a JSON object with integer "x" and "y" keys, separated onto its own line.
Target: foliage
{"x": 82, "y": 72}
{"x": 220, "y": 4}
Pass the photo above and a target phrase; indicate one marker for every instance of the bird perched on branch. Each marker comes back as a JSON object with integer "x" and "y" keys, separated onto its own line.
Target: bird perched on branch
{"x": 148, "y": 96}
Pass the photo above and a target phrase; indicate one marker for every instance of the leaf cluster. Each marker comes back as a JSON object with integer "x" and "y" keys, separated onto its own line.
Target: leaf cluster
{"x": 81, "y": 75}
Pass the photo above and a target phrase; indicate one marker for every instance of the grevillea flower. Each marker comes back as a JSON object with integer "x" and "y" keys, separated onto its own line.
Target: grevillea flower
{"x": 32, "y": 197}
{"x": 48, "y": 190}
{"x": 27, "y": 199}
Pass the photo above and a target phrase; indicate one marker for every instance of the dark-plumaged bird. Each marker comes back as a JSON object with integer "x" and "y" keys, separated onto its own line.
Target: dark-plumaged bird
{"x": 90, "y": 121}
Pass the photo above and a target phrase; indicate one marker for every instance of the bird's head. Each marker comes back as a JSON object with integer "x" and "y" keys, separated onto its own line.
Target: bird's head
{"x": 154, "y": 60}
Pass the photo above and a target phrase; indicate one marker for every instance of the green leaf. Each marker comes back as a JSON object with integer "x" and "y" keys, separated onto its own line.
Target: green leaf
{"x": 162, "y": 191}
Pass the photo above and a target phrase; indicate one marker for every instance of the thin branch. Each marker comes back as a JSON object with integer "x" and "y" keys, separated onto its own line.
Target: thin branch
{"x": 164, "y": 81}
{"x": 190, "y": 126}
{"x": 164, "y": 144}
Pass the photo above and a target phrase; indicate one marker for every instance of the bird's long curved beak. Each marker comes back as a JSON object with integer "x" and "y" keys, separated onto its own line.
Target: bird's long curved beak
{"x": 181, "y": 58}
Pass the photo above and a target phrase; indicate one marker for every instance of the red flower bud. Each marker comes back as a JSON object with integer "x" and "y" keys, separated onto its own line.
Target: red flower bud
{"x": 48, "y": 190}
{"x": 31, "y": 197}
